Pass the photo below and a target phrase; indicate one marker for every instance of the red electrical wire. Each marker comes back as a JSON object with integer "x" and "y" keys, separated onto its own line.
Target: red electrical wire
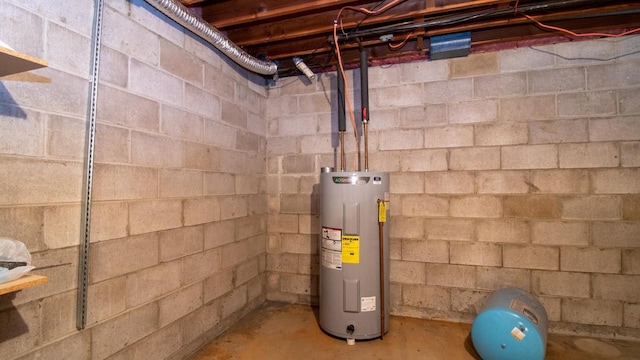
{"x": 400, "y": 44}
{"x": 356, "y": 160}
{"x": 566, "y": 31}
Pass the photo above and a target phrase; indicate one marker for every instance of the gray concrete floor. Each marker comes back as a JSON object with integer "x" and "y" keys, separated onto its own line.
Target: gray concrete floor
{"x": 284, "y": 331}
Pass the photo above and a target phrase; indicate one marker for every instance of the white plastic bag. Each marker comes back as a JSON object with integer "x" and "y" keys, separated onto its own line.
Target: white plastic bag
{"x": 16, "y": 251}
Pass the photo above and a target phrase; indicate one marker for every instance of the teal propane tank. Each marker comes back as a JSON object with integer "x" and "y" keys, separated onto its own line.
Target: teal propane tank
{"x": 511, "y": 325}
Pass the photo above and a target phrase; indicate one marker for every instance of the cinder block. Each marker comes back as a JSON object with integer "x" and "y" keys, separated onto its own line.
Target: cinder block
{"x": 297, "y": 125}
{"x": 407, "y": 272}
{"x": 232, "y": 207}
{"x": 632, "y": 315}
{"x": 402, "y": 139}
{"x": 392, "y": 118}
{"x": 553, "y": 307}
{"x": 591, "y": 155}
{"x": 282, "y": 145}
{"x": 449, "y": 229}
{"x": 531, "y": 257}
{"x": 450, "y": 90}
{"x": 613, "y": 75}
{"x": 561, "y": 131}
{"x": 424, "y": 116}
{"x": 27, "y": 315}
{"x": 298, "y": 284}
{"x": 181, "y": 63}
{"x": 475, "y": 64}
{"x": 572, "y": 54}
{"x": 407, "y": 183}
{"x": 235, "y": 162}
{"x": 149, "y": 284}
{"x": 560, "y": 283}
{"x": 560, "y": 181}
{"x": 283, "y": 263}
{"x": 65, "y": 138}
{"x": 457, "y": 276}
{"x": 217, "y": 285}
{"x": 424, "y": 71}
{"x": 449, "y": 182}
{"x": 179, "y": 304}
{"x": 587, "y": 103}
{"x": 503, "y": 182}
{"x": 299, "y": 244}
{"x": 219, "y": 134}
{"x": 468, "y": 301}
{"x": 200, "y": 156}
{"x": 524, "y": 59}
{"x": 25, "y": 224}
{"x": 630, "y": 154}
{"x": 21, "y": 131}
{"x": 429, "y": 251}
{"x": 494, "y": 278}
{"x": 448, "y": 136}
{"x": 530, "y": 157}
{"x": 108, "y": 338}
{"x": 181, "y": 242}
{"x": 247, "y": 141}
{"x": 161, "y": 343}
{"x": 118, "y": 257}
{"x": 557, "y": 80}
{"x": 247, "y": 184}
{"x": 154, "y": 215}
{"x": 114, "y": 67}
{"x": 296, "y": 164}
{"x": 219, "y": 184}
{"x": 314, "y": 103}
{"x": 501, "y": 134}
{"x": 590, "y": 260}
{"x": 155, "y": 150}
{"x": 396, "y": 96}
{"x": 616, "y": 181}
{"x": 528, "y": 108}
{"x": 282, "y": 105}
{"x": 309, "y": 264}
{"x": 424, "y": 205}
{"x": 201, "y": 211}
{"x": 250, "y": 226}
{"x": 631, "y": 207}
{"x": 592, "y": 208}
{"x": 533, "y": 206}
{"x": 503, "y": 231}
{"x": 500, "y": 85}
{"x": 614, "y": 129}
{"x": 406, "y": 227}
{"x": 114, "y": 182}
{"x": 219, "y": 233}
{"x": 616, "y": 287}
{"x": 181, "y": 124}
{"x": 204, "y": 264}
{"x": 426, "y": 297}
{"x": 246, "y": 271}
{"x": 112, "y": 144}
{"x": 616, "y": 234}
{"x": 39, "y": 181}
{"x": 467, "y": 253}
{"x": 62, "y": 226}
{"x": 156, "y": 84}
{"x": 476, "y": 207}
{"x": 142, "y": 113}
{"x": 560, "y": 233}
{"x": 234, "y": 253}
{"x": 57, "y": 315}
{"x": 478, "y": 158}
{"x": 203, "y": 103}
{"x": 318, "y": 144}
{"x": 592, "y": 312}
{"x": 180, "y": 183}
{"x": 233, "y": 301}
{"x": 298, "y": 204}
{"x": 628, "y": 101}
{"x": 415, "y": 160}
{"x": 475, "y": 111}
{"x": 145, "y": 45}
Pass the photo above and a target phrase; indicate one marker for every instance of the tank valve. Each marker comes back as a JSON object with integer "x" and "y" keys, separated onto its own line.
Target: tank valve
{"x": 350, "y": 330}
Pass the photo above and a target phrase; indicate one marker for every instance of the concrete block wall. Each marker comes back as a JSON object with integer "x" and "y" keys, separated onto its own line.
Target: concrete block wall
{"x": 179, "y": 213}
{"x": 510, "y": 168}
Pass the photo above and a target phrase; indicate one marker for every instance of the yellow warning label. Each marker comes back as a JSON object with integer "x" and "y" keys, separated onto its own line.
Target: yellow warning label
{"x": 382, "y": 212}
{"x": 351, "y": 249}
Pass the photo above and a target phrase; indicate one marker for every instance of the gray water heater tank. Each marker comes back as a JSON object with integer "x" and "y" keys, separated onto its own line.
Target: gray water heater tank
{"x": 350, "y": 302}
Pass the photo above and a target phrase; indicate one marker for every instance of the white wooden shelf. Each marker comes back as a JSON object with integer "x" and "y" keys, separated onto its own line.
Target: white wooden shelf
{"x": 13, "y": 62}
{"x": 22, "y": 283}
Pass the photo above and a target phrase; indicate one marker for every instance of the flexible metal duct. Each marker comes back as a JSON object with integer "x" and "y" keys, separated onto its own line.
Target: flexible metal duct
{"x": 180, "y": 14}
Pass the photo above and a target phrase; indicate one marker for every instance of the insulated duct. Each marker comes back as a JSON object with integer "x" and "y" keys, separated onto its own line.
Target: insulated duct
{"x": 181, "y": 14}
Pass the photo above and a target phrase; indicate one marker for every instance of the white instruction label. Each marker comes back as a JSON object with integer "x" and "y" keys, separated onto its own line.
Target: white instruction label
{"x": 517, "y": 334}
{"x": 331, "y": 256}
{"x": 368, "y": 303}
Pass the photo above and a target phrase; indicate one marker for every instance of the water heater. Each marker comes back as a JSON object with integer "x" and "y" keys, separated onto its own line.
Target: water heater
{"x": 354, "y": 254}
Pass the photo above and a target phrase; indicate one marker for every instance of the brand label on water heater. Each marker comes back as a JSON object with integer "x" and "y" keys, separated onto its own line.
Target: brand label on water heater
{"x": 331, "y": 248}
{"x": 351, "y": 249}
{"x": 368, "y": 303}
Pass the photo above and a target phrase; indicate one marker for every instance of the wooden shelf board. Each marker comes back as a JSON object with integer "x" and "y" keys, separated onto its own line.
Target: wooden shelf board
{"x": 13, "y": 62}
{"x": 22, "y": 283}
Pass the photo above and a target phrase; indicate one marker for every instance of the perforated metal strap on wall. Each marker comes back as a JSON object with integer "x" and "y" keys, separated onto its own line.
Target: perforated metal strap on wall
{"x": 83, "y": 263}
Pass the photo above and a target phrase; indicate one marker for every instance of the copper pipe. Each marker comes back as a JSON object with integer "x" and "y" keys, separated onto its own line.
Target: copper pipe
{"x": 381, "y": 237}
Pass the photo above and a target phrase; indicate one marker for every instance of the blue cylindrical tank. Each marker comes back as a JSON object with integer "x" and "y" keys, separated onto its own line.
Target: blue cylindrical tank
{"x": 511, "y": 325}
